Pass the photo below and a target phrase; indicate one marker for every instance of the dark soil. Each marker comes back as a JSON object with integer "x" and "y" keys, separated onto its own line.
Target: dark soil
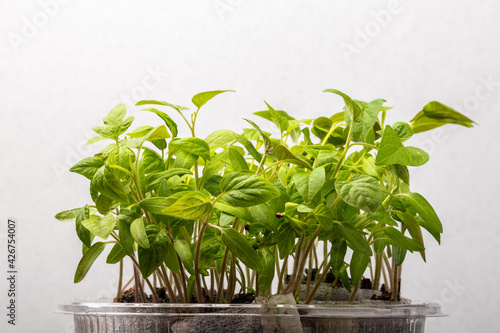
{"x": 129, "y": 297}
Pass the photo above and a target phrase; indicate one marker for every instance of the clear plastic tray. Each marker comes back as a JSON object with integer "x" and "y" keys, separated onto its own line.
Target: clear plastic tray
{"x": 381, "y": 317}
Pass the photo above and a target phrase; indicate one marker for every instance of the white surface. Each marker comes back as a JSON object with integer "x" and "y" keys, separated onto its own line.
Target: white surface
{"x": 58, "y": 80}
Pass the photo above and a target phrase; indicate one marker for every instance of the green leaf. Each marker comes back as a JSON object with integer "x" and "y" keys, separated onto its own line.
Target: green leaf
{"x": 116, "y": 255}
{"x": 277, "y": 118}
{"x": 392, "y": 151}
{"x": 106, "y": 183}
{"x": 337, "y": 255}
{"x": 414, "y": 229}
{"x": 435, "y": 114}
{"x": 87, "y": 167}
{"x": 240, "y": 212}
{"x": 265, "y": 216}
{"x": 200, "y": 99}
{"x": 430, "y": 220}
{"x": 285, "y": 155}
{"x": 83, "y": 233}
{"x": 138, "y": 232}
{"x": 238, "y": 162}
{"x": 115, "y": 116}
{"x": 359, "y": 263}
{"x": 193, "y": 146}
{"x": 192, "y": 205}
{"x": 70, "y": 215}
{"x": 266, "y": 275}
{"x": 324, "y": 216}
{"x": 87, "y": 260}
{"x": 101, "y": 227}
{"x": 398, "y": 239}
{"x": 267, "y": 141}
{"x": 155, "y": 179}
{"x": 172, "y": 126}
{"x": 356, "y": 239}
{"x": 244, "y": 190}
{"x": 360, "y": 191}
{"x": 403, "y": 130}
{"x": 309, "y": 183}
{"x": 171, "y": 260}
{"x": 369, "y": 114}
{"x": 104, "y": 204}
{"x": 352, "y": 107}
{"x": 124, "y": 234}
{"x": 184, "y": 252}
{"x": 241, "y": 248}
{"x": 221, "y": 138}
{"x": 152, "y": 257}
{"x": 153, "y": 102}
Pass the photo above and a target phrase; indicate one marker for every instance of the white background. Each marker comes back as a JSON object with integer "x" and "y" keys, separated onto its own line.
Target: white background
{"x": 65, "y": 64}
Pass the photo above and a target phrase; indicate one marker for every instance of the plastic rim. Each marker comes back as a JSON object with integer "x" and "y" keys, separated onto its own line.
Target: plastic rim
{"x": 106, "y": 308}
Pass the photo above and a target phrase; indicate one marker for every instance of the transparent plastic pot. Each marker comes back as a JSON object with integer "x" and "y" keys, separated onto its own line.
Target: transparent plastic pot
{"x": 102, "y": 317}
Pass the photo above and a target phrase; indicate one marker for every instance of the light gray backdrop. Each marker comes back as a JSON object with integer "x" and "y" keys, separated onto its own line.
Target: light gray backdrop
{"x": 65, "y": 63}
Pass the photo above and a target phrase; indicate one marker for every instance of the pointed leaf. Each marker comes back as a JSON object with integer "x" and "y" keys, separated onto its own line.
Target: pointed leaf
{"x": 243, "y": 190}
{"x": 192, "y": 205}
{"x": 360, "y": 191}
{"x": 138, "y": 231}
{"x": 241, "y": 248}
{"x": 200, "y": 99}
{"x": 392, "y": 151}
{"x": 87, "y": 260}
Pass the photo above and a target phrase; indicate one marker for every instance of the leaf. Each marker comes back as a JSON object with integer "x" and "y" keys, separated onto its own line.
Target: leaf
{"x": 430, "y": 220}
{"x": 241, "y": 248}
{"x": 351, "y": 106}
{"x": 240, "y": 212}
{"x": 153, "y": 102}
{"x": 309, "y": 183}
{"x": 243, "y": 190}
{"x": 221, "y": 138}
{"x": 337, "y": 255}
{"x": 266, "y": 275}
{"x": 263, "y": 215}
{"x": 171, "y": 260}
{"x": 369, "y": 114}
{"x": 138, "y": 232}
{"x": 435, "y": 114}
{"x": 152, "y": 257}
{"x": 104, "y": 204}
{"x": 116, "y": 255}
{"x": 172, "y": 126}
{"x": 356, "y": 239}
{"x": 71, "y": 214}
{"x": 324, "y": 216}
{"x": 285, "y": 155}
{"x": 193, "y": 146}
{"x": 359, "y": 263}
{"x": 267, "y": 141}
{"x": 277, "y": 118}
{"x": 192, "y": 205}
{"x": 87, "y": 260}
{"x": 286, "y": 240}
{"x": 414, "y": 229}
{"x": 200, "y": 99}
{"x": 83, "y": 233}
{"x": 392, "y": 151}
{"x": 87, "y": 167}
{"x": 106, "y": 183}
{"x": 360, "y": 191}
{"x": 155, "y": 179}
{"x": 398, "y": 239}
{"x": 237, "y": 160}
{"x": 115, "y": 116}
{"x": 184, "y": 252}
{"x": 403, "y": 130}
{"x": 101, "y": 227}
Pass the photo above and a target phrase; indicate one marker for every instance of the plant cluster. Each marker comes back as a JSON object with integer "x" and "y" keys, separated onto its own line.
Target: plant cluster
{"x": 246, "y": 212}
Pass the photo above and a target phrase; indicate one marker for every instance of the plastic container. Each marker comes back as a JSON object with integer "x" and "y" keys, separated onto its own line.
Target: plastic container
{"x": 100, "y": 317}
